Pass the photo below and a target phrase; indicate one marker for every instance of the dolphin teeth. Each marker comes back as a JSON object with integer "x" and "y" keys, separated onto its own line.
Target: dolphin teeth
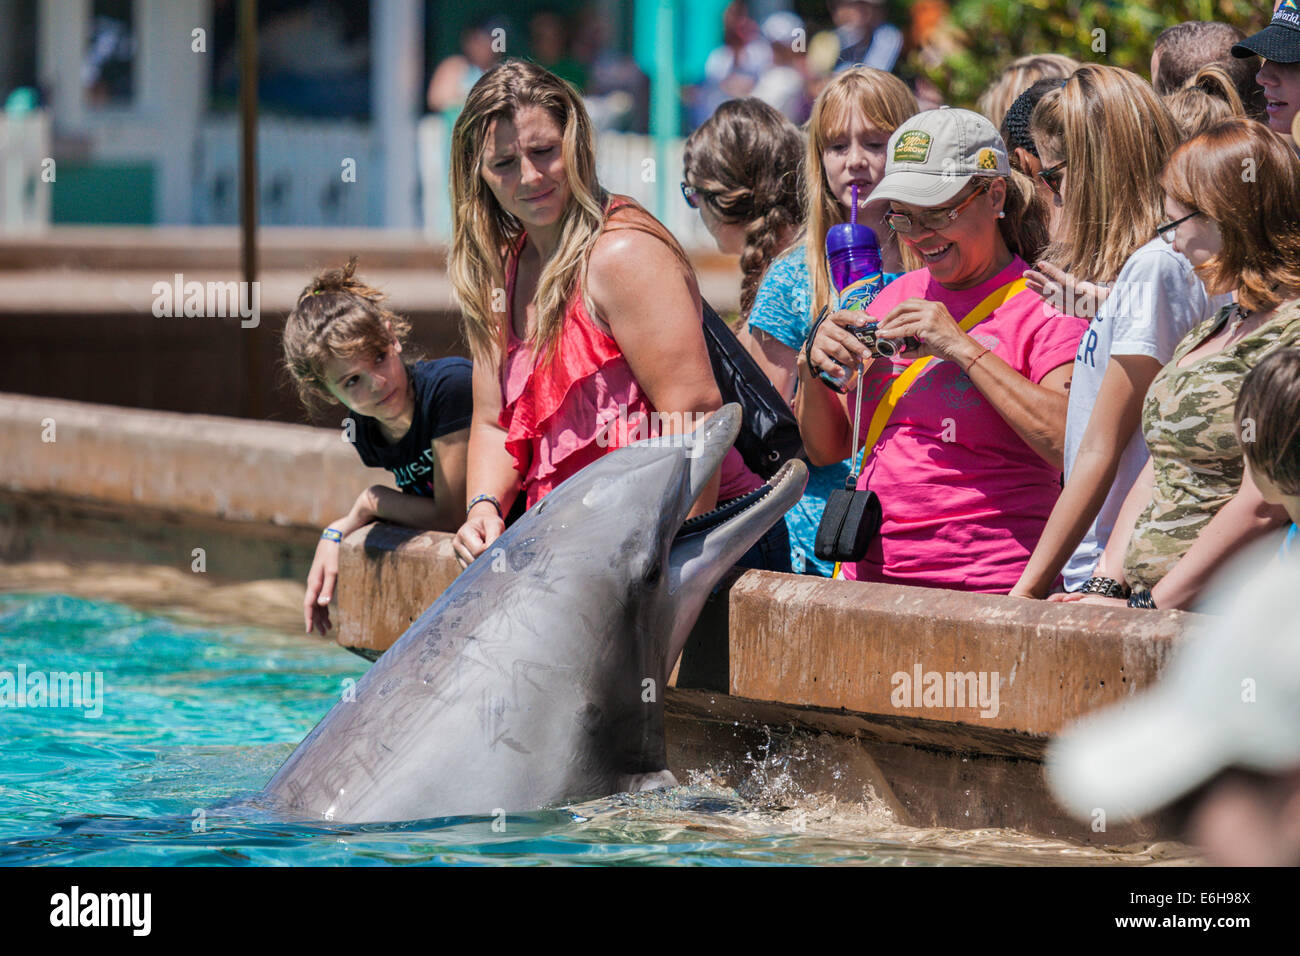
{"x": 725, "y": 512}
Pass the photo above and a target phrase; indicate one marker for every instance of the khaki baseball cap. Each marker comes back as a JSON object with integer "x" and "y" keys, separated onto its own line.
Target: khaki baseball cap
{"x": 933, "y": 155}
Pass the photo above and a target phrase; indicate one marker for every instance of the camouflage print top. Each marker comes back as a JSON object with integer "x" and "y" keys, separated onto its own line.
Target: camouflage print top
{"x": 1187, "y": 420}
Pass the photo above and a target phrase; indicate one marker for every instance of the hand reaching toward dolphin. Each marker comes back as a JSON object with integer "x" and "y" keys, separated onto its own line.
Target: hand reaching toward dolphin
{"x": 481, "y": 528}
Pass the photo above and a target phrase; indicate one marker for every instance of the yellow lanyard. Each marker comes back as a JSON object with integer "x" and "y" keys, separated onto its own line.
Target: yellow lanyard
{"x": 899, "y": 386}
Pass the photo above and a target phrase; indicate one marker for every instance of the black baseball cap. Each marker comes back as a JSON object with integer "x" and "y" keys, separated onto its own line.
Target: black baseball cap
{"x": 1279, "y": 41}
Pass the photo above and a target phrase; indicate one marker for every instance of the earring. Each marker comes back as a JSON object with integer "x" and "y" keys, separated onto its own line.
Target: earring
{"x": 1002, "y": 214}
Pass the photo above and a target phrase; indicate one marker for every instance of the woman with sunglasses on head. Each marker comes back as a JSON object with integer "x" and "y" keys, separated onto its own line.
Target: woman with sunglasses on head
{"x": 1106, "y": 129}
{"x": 1194, "y": 504}
{"x": 847, "y": 132}
{"x": 965, "y": 450}
{"x": 581, "y": 310}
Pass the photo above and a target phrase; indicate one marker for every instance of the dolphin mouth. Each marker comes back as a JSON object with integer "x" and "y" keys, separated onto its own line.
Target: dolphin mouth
{"x": 722, "y": 535}
{"x": 711, "y": 520}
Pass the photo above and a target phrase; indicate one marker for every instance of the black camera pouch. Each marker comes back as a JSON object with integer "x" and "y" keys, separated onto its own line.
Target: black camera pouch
{"x": 851, "y": 519}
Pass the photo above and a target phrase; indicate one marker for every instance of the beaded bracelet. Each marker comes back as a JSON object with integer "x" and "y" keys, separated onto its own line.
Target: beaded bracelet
{"x": 480, "y": 498}
{"x": 976, "y": 359}
{"x": 332, "y": 534}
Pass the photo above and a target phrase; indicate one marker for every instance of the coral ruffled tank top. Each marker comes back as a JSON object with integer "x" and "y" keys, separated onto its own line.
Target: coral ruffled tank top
{"x": 561, "y": 415}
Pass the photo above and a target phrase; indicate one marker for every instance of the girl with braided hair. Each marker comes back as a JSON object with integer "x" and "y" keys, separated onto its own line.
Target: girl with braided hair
{"x": 342, "y": 346}
{"x": 741, "y": 172}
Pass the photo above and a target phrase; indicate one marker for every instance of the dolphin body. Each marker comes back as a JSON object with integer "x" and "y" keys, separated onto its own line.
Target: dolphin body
{"x": 538, "y": 677}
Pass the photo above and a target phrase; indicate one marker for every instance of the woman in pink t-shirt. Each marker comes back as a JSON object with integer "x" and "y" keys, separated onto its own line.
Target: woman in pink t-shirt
{"x": 968, "y": 465}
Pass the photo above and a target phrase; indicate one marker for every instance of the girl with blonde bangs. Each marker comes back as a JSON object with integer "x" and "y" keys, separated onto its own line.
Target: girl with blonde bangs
{"x": 848, "y": 131}
{"x": 1106, "y": 128}
{"x": 582, "y": 311}
{"x": 1195, "y": 504}
{"x": 874, "y": 104}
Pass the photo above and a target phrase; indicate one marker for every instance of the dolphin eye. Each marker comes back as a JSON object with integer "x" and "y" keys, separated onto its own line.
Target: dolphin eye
{"x": 656, "y": 571}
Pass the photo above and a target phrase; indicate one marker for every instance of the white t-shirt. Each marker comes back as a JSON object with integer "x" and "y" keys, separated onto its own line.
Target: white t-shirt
{"x": 1154, "y": 302}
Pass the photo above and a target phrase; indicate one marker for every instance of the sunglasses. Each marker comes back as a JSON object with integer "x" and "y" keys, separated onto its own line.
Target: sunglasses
{"x": 1053, "y": 176}
{"x": 931, "y": 219}
{"x": 693, "y": 196}
{"x": 1167, "y": 231}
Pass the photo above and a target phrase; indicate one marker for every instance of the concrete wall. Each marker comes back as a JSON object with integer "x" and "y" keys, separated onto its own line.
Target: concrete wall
{"x": 77, "y": 322}
{"x": 836, "y": 644}
{"x": 152, "y": 486}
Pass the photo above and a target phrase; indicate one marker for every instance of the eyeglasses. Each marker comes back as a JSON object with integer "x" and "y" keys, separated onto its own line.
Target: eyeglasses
{"x": 1166, "y": 232}
{"x": 1052, "y": 177}
{"x": 693, "y": 196}
{"x": 931, "y": 219}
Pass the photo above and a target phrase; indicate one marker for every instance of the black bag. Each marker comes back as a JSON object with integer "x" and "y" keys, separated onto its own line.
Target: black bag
{"x": 769, "y": 433}
{"x": 851, "y": 519}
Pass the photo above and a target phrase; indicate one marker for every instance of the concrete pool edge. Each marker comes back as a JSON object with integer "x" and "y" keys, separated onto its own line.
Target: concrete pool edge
{"x": 829, "y": 657}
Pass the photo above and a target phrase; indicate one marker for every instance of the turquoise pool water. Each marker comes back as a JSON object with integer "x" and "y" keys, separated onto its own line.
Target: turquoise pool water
{"x": 193, "y": 717}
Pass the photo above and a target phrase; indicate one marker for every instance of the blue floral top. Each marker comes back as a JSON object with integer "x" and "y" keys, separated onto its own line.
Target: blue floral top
{"x": 782, "y": 309}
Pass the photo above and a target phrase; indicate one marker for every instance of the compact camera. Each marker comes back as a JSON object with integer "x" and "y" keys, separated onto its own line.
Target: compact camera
{"x": 886, "y": 348}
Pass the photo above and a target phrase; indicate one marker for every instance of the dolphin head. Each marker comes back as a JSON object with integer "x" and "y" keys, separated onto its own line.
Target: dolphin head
{"x": 633, "y": 505}
{"x": 535, "y": 678}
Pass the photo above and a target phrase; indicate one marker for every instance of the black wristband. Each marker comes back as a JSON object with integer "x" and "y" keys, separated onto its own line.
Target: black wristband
{"x": 1106, "y": 587}
{"x": 826, "y": 380}
{"x": 1142, "y": 599}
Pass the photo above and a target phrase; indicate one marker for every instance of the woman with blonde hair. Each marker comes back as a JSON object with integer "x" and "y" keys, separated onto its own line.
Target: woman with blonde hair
{"x": 581, "y": 310}
{"x": 1018, "y": 76}
{"x": 1195, "y": 504}
{"x": 1208, "y": 99}
{"x": 851, "y": 122}
{"x": 1108, "y": 131}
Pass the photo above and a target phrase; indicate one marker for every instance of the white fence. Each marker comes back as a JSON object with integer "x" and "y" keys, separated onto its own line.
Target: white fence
{"x": 626, "y": 163}
{"x": 309, "y": 174}
{"x": 24, "y": 151}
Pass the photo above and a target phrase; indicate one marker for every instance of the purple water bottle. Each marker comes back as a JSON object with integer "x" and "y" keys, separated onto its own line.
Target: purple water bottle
{"x": 854, "y": 258}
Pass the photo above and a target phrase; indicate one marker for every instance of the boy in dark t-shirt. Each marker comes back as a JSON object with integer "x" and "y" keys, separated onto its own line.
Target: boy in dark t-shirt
{"x": 443, "y": 403}
{"x": 341, "y": 345}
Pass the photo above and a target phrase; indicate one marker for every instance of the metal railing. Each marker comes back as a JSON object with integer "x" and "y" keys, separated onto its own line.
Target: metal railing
{"x": 309, "y": 173}
{"x": 26, "y": 169}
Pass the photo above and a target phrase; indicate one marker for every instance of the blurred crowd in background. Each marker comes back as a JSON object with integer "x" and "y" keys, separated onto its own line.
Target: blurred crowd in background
{"x": 781, "y": 59}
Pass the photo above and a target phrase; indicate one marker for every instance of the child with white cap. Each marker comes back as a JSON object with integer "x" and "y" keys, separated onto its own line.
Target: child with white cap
{"x": 1220, "y": 733}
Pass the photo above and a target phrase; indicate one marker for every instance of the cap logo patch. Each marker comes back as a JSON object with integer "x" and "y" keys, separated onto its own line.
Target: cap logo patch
{"x": 1288, "y": 12}
{"x": 988, "y": 159}
{"x": 912, "y": 147}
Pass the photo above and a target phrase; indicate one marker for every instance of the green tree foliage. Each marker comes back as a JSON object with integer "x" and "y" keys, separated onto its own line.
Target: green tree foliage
{"x": 992, "y": 33}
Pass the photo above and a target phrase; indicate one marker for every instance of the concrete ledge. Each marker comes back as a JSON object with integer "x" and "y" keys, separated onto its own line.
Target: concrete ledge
{"x": 235, "y": 470}
{"x": 388, "y": 576}
{"x": 834, "y": 644}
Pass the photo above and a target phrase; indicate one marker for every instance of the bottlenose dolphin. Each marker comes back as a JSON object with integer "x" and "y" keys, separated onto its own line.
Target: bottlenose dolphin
{"x": 538, "y": 677}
